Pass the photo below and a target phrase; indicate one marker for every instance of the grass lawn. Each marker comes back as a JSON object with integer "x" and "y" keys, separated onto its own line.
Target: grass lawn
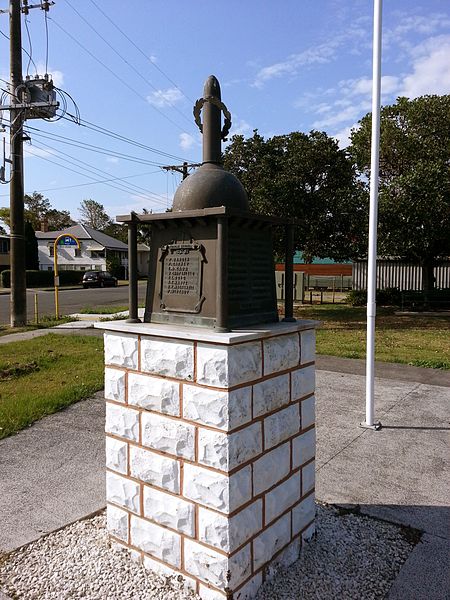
{"x": 44, "y": 323}
{"x": 40, "y": 376}
{"x": 413, "y": 340}
{"x": 102, "y": 310}
{"x": 106, "y": 310}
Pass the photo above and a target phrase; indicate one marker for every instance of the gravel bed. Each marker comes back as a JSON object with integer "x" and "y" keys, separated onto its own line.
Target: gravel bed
{"x": 352, "y": 557}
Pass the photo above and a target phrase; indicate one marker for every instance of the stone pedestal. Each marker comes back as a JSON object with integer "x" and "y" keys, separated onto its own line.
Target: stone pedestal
{"x": 210, "y": 443}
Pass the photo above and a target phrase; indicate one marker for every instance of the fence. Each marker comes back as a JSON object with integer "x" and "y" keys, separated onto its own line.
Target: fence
{"x": 306, "y": 285}
{"x": 398, "y": 274}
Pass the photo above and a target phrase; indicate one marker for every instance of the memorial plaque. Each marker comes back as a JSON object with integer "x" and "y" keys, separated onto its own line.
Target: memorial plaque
{"x": 182, "y": 277}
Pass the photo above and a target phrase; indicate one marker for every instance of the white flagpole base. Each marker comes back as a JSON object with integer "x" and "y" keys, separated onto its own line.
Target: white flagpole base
{"x": 376, "y": 426}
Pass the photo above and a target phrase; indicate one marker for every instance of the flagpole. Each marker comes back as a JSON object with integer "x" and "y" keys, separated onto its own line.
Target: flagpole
{"x": 373, "y": 216}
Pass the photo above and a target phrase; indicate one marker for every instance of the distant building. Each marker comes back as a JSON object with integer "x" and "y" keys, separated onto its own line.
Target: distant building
{"x": 95, "y": 248}
{"x": 319, "y": 266}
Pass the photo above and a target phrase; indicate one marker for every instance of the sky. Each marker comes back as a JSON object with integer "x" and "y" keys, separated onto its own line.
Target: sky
{"x": 136, "y": 68}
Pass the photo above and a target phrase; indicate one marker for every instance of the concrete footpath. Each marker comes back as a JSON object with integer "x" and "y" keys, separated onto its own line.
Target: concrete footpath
{"x": 52, "y": 473}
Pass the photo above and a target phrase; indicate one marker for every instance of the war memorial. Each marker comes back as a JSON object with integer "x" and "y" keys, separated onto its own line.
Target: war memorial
{"x": 210, "y": 408}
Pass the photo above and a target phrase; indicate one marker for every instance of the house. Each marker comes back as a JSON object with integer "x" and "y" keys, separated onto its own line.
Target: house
{"x": 95, "y": 249}
{"x": 4, "y": 252}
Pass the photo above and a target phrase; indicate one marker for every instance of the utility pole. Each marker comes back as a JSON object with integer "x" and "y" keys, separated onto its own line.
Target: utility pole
{"x": 18, "y": 298}
{"x": 183, "y": 169}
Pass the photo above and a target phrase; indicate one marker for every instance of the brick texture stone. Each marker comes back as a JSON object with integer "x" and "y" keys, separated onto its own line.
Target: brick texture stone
{"x": 114, "y": 385}
{"x": 154, "y": 393}
{"x": 122, "y": 421}
{"x": 168, "y": 435}
{"x": 226, "y": 366}
{"x": 121, "y": 350}
{"x": 171, "y": 358}
{"x": 162, "y": 471}
{"x": 281, "y": 353}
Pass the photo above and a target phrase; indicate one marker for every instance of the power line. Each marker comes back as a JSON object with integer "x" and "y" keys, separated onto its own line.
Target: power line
{"x": 127, "y": 62}
{"x": 26, "y": 52}
{"x": 114, "y": 74}
{"x": 131, "y": 188}
{"x": 109, "y": 133}
{"x": 76, "y": 185}
{"x": 121, "y": 189}
{"x": 92, "y": 148}
{"x": 118, "y": 136}
{"x": 133, "y": 43}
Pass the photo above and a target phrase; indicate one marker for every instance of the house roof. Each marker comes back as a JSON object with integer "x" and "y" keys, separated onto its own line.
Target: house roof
{"x": 83, "y": 232}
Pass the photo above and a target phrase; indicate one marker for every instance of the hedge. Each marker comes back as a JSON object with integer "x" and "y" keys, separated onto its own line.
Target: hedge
{"x": 387, "y": 297}
{"x": 43, "y": 278}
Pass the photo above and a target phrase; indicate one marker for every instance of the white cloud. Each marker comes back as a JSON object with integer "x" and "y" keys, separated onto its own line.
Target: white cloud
{"x": 161, "y": 98}
{"x": 112, "y": 159}
{"x": 343, "y": 136}
{"x": 239, "y": 127}
{"x": 322, "y": 53}
{"x": 431, "y": 69}
{"x": 186, "y": 141}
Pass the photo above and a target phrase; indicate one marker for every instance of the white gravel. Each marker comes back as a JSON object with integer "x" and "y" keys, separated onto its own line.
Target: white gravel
{"x": 351, "y": 557}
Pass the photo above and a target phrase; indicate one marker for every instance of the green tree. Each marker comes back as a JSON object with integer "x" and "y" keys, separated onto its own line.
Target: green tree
{"x": 93, "y": 215}
{"x": 118, "y": 231}
{"x": 37, "y": 209}
{"x": 31, "y": 248}
{"x": 305, "y": 176}
{"x": 414, "y": 190}
{"x": 58, "y": 219}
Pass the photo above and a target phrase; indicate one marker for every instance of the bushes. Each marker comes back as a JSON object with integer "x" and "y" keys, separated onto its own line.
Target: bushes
{"x": 387, "y": 297}
{"x": 43, "y": 278}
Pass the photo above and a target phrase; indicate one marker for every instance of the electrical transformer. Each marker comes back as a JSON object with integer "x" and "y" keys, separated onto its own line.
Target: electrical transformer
{"x": 40, "y": 94}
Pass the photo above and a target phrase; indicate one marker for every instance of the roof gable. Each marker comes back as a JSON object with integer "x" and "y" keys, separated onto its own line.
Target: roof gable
{"x": 83, "y": 232}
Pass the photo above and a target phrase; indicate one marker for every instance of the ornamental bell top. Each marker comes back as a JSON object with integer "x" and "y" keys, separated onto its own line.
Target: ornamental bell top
{"x": 211, "y": 185}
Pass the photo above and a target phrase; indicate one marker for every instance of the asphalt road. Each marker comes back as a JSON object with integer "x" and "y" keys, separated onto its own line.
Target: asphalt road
{"x": 71, "y": 301}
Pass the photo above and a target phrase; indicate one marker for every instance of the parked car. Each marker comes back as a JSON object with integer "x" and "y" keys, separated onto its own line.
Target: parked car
{"x": 98, "y": 279}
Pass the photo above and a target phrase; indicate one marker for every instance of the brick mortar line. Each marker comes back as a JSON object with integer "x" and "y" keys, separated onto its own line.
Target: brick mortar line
{"x": 193, "y": 462}
{"x": 155, "y": 558}
{"x": 183, "y": 420}
{"x": 274, "y": 557}
{"x": 180, "y": 495}
{"x": 231, "y": 388}
{"x": 198, "y": 581}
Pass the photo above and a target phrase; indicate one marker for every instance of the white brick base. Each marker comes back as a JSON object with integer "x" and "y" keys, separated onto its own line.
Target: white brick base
{"x": 210, "y": 451}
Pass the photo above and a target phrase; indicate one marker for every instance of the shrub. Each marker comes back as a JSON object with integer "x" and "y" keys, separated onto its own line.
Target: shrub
{"x": 387, "y": 297}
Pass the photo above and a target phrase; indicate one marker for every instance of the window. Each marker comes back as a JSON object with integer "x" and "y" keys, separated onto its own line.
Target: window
{"x": 97, "y": 254}
{"x": 4, "y": 246}
{"x": 51, "y": 250}
{"x": 77, "y": 253}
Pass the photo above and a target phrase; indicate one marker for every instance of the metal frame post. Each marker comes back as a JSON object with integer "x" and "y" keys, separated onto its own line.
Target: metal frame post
{"x": 132, "y": 272}
{"x": 289, "y": 275}
{"x": 222, "y": 275}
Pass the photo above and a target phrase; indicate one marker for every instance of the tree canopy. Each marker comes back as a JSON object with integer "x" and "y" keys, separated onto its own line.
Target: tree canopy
{"x": 414, "y": 184}
{"x": 305, "y": 176}
{"x": 39, "y": 209}
{"x": 93, "y": 215}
